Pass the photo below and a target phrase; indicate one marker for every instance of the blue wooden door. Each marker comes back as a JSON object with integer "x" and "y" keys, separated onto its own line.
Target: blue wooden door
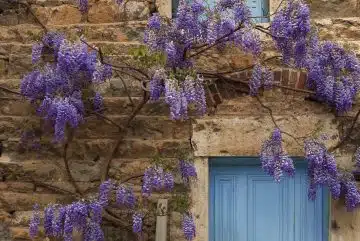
{"x": 247, "y": 205}
{"x": 259, "y": 8}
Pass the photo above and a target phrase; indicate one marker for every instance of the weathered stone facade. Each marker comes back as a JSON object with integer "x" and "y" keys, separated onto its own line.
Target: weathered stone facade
{"x": 224, "y": 132}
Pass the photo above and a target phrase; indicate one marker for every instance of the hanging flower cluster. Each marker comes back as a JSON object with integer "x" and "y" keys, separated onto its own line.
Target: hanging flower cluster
{"x": 34, "y": 222}
{"x": 273, "y": 159}
{"x": 195, "y": 27}
{"x": 57, "y": 87}
{"x": 125, "y": 196}
{"x": 137, "y": 222}
{"x": 188, "y": 226}
{"x": 196, "y": 24}
{"x": 290, "y": 28}
{"x": 179, "y": 94}
{"x": 334, "y": 74}
{"x": 261, "y": 76}
{"x": 187, "y": 170}
{"x": 156, "y": 179}
{"x": 349, "y": 190}
{"x": 60, "y": 221}
{"x": 322, "y": 170}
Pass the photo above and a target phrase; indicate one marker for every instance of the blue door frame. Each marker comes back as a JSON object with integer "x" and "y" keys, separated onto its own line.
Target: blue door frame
{"x": 233, "y": 180}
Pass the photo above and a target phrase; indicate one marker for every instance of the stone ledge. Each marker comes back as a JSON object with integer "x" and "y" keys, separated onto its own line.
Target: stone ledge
{"x": 234, "y": 136}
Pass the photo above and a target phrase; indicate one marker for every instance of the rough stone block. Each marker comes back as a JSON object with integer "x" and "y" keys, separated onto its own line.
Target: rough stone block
{"x": 15, "y": 108}
{"x": 144, "y": 128}
{"x": 244, "y": 136}
{"x": 102, "y": 12}
{"x": 134, "y": 10}
{"x": 19, "y": 66}
{"x": 65, "y": 14}
{"x": 25, "y": 201}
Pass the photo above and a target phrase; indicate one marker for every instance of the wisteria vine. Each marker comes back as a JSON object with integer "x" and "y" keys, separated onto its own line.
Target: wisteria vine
{"x": 63, "y": 91}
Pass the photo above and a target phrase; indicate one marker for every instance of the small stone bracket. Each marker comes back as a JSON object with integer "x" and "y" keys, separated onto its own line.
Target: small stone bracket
{"x": 162, "y": 207}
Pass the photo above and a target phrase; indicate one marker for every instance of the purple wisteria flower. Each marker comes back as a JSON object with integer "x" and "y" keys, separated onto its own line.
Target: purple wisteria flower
{"x": 188, "y": 226}
{"x": 261, "y": 77}
{"x": 179, "y": 95}
{"x": 156, "y": 84}
{"x": 58, "y": 225}
{"x": 273, "y": 158}
{"x": 98, "y": 102}
{"x": 334, "y": 75}
{"x": 56, "y": 88}
{"x": 104, "y": 192}
{"x": 357, "y": 157}
{"x": 37, "y": 52}
{"x": 49, "y": 220}
{"x": 349, "y": 190}
{"x": 154, "y": 22}
{"x": 352, "y": 196}
{"x": 83, "y": 5}
{"x": 289, "y": 28}
{"x": 322, "y": 169}
{"x": 93, "y": 232}
{"x": 156, "y": 179}
{"x": 61, "y": 220}
{"x": 34, "y": 222}
{"x": 187, "y": 170}
{"x": 125, "y": 196}
{"x": 168, "y": 181}
{"x": 137, "y": 222}
{"x": 255, "y": 81}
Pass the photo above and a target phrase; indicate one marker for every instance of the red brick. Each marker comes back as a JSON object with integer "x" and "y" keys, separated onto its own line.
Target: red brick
{"x": 301, "y": 81}
{"x": 285, "y": 77}
{"x": 293, "y": 78}
{"x": 277, "y": 77}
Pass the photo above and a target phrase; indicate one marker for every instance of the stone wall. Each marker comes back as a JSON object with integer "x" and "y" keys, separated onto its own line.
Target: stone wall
{"x": 151, "y": 131}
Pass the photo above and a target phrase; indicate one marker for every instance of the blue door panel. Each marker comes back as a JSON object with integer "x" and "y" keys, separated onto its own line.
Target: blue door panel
{"x": 224, "y": 215}
{"x": 260, "y": 188}
{"x": 247, "y": 205}
{"x": 257, "y": 8}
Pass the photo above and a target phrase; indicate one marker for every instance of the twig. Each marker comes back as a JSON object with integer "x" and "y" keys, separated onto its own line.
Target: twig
{"x": 247, "y": 67}
{"x": 261, "y": 29}
{"x": 294, "y": 89}
{"x": 66, "y": 162}
{"x": 126, "y": 73}
{"x": 98, "y": 49}
{"x": 106, "y": 118}
{"x": 132, "y": 177}
{"x": 217, "y": 41}
{"x": 9, "y": 90}
{"x": 112, "y": 218}
{"x": 348, "y": 134}
{"x": 54, "y": 188}
{"x": 126, "y": 89}
{"x": 28, "y": 8}
{"x": 274, "y": 121}
{"x": 9, "y": 98}
{"x": 107, "y": 163}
